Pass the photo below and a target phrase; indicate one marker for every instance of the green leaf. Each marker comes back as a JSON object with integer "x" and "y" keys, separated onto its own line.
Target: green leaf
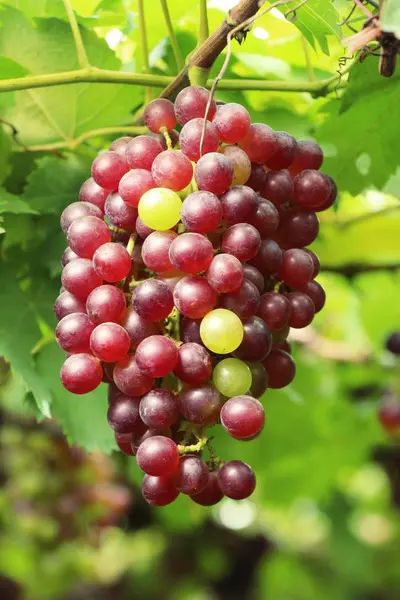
{"x": 360, "y": 134}
{"x": 316, "y": 20}
{"x": 4, "y": 155}
{"x": 14, "y": 205}
{"x": 55, "y": 183}
{"x": 389, "y": 16}
{"x": 19, "y": 334}
{"x": 62, "y": 113}
{"x": 83, "y": 418}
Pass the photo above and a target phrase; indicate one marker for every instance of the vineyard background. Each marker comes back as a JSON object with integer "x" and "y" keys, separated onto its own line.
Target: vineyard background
{"x": 323, "y": 522}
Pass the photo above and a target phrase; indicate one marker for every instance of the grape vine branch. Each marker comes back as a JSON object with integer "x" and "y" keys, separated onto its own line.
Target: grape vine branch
{"x": 203, "y": 57}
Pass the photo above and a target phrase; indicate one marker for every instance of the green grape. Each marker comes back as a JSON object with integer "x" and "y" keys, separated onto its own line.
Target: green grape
{"x": 160, "y": 208}
{"x": 221, "y": 331}
{"x": 232, "y": 377}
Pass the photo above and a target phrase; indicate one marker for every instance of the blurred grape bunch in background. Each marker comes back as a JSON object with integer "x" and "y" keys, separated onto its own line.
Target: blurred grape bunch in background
{"x": 323, "y": 522}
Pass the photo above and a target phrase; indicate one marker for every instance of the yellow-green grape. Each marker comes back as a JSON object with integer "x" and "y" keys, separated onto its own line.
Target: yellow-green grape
{"x": 241, "y": 163}
{"x": 160, "y": 209}
{"x": 221, "y": 331}
{"x": 232, "y": 377}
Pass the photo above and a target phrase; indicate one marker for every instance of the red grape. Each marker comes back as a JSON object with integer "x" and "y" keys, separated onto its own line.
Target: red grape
{"x": 142, "y": 230}
{"x": 190, "y": 137}
{"x": 123, "y": 415}
{"x": 296, "y": 269}
{"x": 119, "y": 145}
{"x": 194, "y": 364}
{"x": 284, "y": 153}
{"x": 112, "y": 262}
{"x": 211, "y": 493}
{"x": 67, "y": 256}
{"x": 81, "y": 373}
{"x": 316, "y": 263}
{"x": 278, "y": 188}
{"x": 192, "y": 476}
{"x": 214, "y": 173}
{"x": 302, "y": 310}
{"x": 239, "y": 204}
{"x": 141, "y": 151}
{"x": 156, "y": 356}
{"x": 109, "y": 342}
{"x": 191, "y": 102}
{"x": 86, "y": 234}
{"x": 124, "y": 442}
{"x": 281, "y": 369}
{"x": 159, "y": 491}
{"x": 191, "y": 253}
{"x": 257, "y": 179}
{"x": 242, "y": 240}
{"x": 129, "y": 379}
{"x": 108, "y": 168}
{"x": 155, "y": 250}
{"x": 236, "y": 480}
{"x": 79, "y": 278}
{"x": 159, "y": 409}
{"x": 259, "y": 379}
{"x": 244, "y": 301}
{"x": 257, "y": 340}
{"x": 201, "y": 405}
{"x": 159, "y": 113}
{"x": 254, "y": 275}
{"x": 316, "y": 292}
{"x": 268, "y": 259}
{"x": 158, "y": 455}
{"x": 225, "y": 273}
{"x": 66, "y": 304}
{"x": 260, "y": 143}
{"x": 75, "y": 211}
{"x": 242, "y": 417}
{"x": 265, "y": 218}
{"x": 298, "y": 229}
{"x": 106, "y": 303}
{"x": 153, "y": 300}
{"x": 232, "y": 122}
{"x": 274, "y": 310}
{"x": 73, "y": 333}
{"x": 94, "y": 194}
{"x": 137, "y": 327}
{"x": 172, "y": 169}
{"x": 308, "y": 155}
{"x": 201, "y": 212}
{"x": 190, "y": 330}
{"x": 311, "y": 189}
{"x": 194, "y": 297}
{"x": 119, "y": 213}
{"x": 134, "y": 184}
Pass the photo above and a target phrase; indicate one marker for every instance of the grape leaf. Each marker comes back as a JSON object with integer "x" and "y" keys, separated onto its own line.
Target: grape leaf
{"x": 55, "y": 183}
{"x": 19, "y": 333}
{"x": 360, "y": 133}
{"x": 13, "y": 204}
{"x": 83, "y": 418}
{"x": 389, "y": 16}
{"x": 61, "y": 113}
{"x": 4, "y": 154}
{"x": 317, "y": 19}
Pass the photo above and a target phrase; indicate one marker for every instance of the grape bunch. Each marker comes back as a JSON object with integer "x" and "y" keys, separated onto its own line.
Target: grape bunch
{"x": 185, "y": 269}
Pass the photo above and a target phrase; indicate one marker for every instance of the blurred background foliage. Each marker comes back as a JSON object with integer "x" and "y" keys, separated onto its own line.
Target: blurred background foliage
{"x": 323, "y": 523}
